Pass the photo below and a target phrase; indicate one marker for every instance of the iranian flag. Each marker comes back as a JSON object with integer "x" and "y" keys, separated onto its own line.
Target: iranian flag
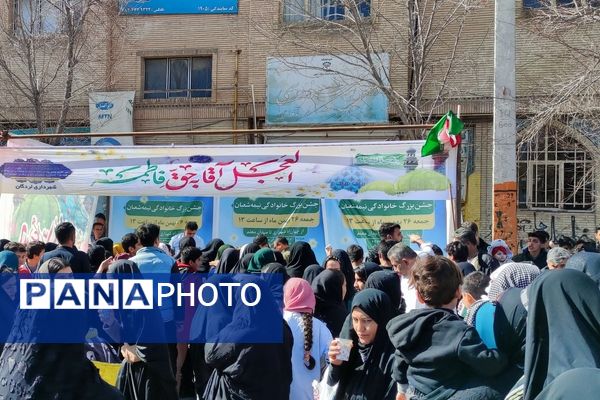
{"x": 445, "y": 131}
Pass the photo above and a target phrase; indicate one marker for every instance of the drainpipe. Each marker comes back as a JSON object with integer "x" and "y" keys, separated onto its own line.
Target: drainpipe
{"x": 236, "y": 81}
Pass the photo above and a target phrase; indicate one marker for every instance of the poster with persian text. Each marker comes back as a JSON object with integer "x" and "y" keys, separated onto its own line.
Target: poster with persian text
{"x": 356, "y": 171}
{"x": 170, "y": 213}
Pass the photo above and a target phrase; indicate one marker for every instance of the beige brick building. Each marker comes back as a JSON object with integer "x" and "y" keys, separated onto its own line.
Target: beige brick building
{"x": 208, "y": 71}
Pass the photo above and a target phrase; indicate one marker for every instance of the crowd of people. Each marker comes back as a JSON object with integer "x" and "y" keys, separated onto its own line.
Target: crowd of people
{"x": 468, "y": 320}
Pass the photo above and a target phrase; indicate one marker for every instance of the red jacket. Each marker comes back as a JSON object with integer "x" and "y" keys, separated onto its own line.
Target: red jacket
{"x": 24, "y": 272}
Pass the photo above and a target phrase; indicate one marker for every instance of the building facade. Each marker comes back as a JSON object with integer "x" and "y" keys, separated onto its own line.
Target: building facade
{"x": 206, "y": 68}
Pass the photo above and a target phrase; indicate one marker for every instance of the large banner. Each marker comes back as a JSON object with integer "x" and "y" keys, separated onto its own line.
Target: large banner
{"x": 319, "y": 222}
{"x": 325, "y": 89}
{"x": 170, "y": 213}
{"x": 157, "y": 7}
{"x": 111, "y": 112}
{"x": 28, "y": 217}
{"x": 375, "y": 171}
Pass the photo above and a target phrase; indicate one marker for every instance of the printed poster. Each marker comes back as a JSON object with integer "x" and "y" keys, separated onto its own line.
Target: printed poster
{"x": 170, "y": 213}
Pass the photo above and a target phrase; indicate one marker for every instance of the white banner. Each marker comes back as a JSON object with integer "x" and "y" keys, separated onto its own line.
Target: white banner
{"x": 385, "y": 170}
{"x": 111, "y": 112}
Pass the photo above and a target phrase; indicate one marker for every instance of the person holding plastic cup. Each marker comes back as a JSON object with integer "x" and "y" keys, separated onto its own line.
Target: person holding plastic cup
{"x": 361, "y": 359}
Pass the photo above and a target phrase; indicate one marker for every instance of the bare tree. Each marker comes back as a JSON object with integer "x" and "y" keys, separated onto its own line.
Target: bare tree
{"x": 359, "y": 32}
{"x": 50, "y": 56}
{"x": 568, "y": 98}
{"x": 572, "y": 96}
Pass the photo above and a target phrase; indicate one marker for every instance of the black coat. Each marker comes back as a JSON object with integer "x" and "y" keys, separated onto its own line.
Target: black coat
{"x": 250, "y": 371}
{"x": 563, "y": 327}
{"x": 330, "y": 307}
{"x": 30, "y": 370}
{"x": 438, "y": 354}
{"x": 301, "y": 256}
{"x": 78, "y": 260}
{"x": 367, "y": 375}
{"x": 151, "y": 378}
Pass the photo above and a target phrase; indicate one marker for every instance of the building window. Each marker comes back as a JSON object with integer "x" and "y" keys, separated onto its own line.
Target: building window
{"x": 555, "y": 172}
{"x": 39, "y": 17}
{"x": 166, "y": 78}
{"x": 560, "y": 3}
{"x": 328, "y": 10}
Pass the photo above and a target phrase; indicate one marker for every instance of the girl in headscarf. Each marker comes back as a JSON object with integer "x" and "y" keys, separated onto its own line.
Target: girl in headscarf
{"x": 206, "y": 324}
{"x": 301, "y": 256}
{"x": 311, "y": 272}
{"x": 186, "y": 241}
{"x": 228, "y": 260}
{"x": 329, "y": 288}
{"x": 518, "y": 275}
{"x": 9, "y": 259}
{"x": 276, "y": 276}
{"x": 279, "y": 258}
{"x": 311, "y": 338}
{"x": 211, "y": 250}
{"x": 261, "y": 258}
{"x": 250, "y": 371}
{"x": 563, "y": 328}
{"x": 389, "y": 283}
{"x": 222, "y": 250}
{"x": 588, "y": 263}
{"x": 362, "y": 274}
{"x": 241, "y": 267}
{"x": 215, "y": 263}
{"x": 348, "y": 272}
{"x": 145, "y": 372}
{"x": 249, "y": 248}
{"x": 367, "y": 375}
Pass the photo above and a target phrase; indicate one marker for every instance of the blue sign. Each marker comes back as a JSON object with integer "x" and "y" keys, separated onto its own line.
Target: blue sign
{"x": 165, "y": 7}
{"x": 104, "y": 105}
{"x": 230, "y": 308}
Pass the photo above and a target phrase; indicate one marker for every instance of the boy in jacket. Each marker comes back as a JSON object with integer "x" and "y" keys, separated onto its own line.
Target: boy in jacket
{"x": 438, "y": 356}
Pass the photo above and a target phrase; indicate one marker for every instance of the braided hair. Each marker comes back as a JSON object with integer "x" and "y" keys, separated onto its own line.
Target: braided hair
{"x": 307, "y": 322}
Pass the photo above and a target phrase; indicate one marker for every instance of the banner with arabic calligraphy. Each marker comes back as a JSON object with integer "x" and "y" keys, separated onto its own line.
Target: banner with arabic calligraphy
{"x": 29, "y": 217}
{"x": 351, "y": 221}
{"x": 376, "y": 171}
{"x": 170, "y": 213}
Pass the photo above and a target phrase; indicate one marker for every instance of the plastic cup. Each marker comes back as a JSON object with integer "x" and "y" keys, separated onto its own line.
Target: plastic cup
{"x": 345, "y": 347}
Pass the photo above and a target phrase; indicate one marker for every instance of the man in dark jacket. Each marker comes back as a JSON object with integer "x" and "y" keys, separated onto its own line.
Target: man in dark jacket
{"x": 387, "y": 231}
{"x": 535, "y": 251}
{"x": 78, "y": 260}
{"x": 481, "y": 260}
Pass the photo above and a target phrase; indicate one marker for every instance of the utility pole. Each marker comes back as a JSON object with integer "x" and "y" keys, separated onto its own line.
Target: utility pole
{"x": 504, "y": 218}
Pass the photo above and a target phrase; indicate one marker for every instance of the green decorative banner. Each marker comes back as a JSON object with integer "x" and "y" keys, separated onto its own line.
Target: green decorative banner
{"x": 380, "y": 160}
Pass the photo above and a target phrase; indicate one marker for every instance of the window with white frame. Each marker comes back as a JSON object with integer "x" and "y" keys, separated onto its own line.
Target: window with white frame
{"x": 42, "y": 17}
{"x": 328, "y": 10}
{"x": 166, "y": 78}
{"x": 555, "y": 172}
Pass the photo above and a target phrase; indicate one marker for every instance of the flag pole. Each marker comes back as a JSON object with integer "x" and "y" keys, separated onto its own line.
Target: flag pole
{"x": 458, "y": 201}
{"x": 453, "y": 212}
